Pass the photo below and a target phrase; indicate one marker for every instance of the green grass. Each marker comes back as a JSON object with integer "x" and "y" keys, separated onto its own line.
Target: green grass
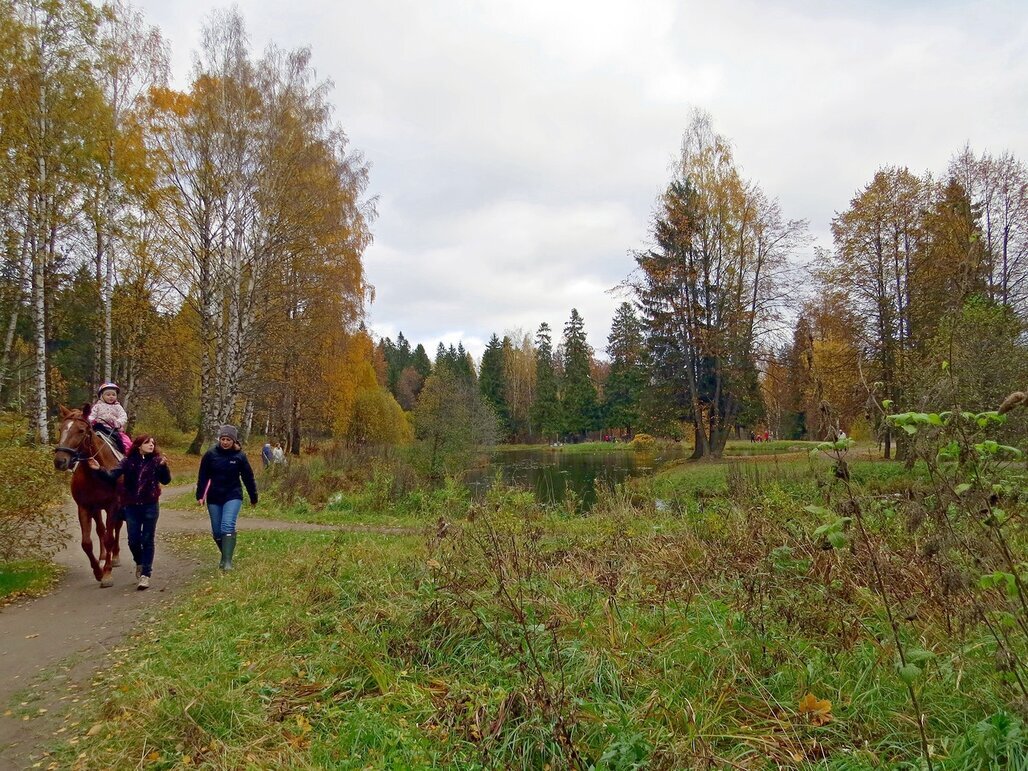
{"x": 777, "y": 447}
{"x": 26, "y": 578}
{"x": 640, "y": 635}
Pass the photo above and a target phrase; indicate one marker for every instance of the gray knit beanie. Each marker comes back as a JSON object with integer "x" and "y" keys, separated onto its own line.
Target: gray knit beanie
{"x": 229, "y": 431}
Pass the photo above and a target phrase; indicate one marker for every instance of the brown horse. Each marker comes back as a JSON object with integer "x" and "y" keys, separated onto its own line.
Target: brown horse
{"x": 92, "y": 492}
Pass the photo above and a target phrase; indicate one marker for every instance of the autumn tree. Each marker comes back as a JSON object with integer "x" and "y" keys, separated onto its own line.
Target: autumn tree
{"x": 131, "y": 57}
{"x": 377, "y": 419}
{"x": 997, "y": 189}
{"x": 519, "y": 375}
{"x": 815, "y": 388}
{"x": 266, "y": 219}
{"x": 52, "y": 106}
{"x": 909, "y": 254}
{"x": 712, "y": 287}
{"x": 451, "y": 423}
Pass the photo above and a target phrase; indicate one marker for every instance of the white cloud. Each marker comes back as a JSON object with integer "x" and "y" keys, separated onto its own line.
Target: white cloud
{"x": 518, "y": 148}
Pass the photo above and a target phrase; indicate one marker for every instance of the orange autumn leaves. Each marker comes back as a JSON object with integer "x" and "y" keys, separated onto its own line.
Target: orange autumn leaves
{"x": 816, "y": 711}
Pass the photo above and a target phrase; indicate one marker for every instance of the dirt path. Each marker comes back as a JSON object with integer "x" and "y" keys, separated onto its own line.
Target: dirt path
{"x": 51, "y": 647}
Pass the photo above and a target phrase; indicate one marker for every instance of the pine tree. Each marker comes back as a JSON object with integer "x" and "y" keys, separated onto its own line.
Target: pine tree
{"x": 578, "y": 393}
{"x": 627, "y": 375}
{"x": 545, "y": 411}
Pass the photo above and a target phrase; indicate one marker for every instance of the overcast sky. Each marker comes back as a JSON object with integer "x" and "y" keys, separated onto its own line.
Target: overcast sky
{"x": 517, "y": 148}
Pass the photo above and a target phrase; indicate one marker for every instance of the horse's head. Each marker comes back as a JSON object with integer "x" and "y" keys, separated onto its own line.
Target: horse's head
{"x": 76, "y": 437}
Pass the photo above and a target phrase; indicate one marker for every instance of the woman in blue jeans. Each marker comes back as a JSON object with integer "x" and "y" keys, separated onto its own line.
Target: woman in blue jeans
{"x": 224, "y": 470}
{"x": 144, "y": 470}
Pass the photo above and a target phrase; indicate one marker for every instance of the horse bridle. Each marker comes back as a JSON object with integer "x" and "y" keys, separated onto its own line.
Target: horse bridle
{"x": 74, "y": 452}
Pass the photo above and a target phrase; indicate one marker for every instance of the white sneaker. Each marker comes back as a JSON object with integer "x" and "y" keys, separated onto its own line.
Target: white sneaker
{"x": 144, "y": 583}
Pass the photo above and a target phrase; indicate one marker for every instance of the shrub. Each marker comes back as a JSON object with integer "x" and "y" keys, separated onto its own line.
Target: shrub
{"x": 643, "y": 442}
{"x": 31, "y": 521}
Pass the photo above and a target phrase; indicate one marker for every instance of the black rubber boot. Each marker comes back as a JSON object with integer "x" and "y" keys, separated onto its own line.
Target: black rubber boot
{"x": 228, "y": 545}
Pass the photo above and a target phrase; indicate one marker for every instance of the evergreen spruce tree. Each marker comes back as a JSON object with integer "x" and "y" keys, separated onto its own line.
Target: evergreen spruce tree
{"x": 492, "y": 383}
{"x": 465, "y": 366}
{"x": 578, "y": 393}
{"x": 545, "y": 411}
{"x": 398, "y": 358}
{"x": 627, "y": 376}
{"x": 420, "y": 361}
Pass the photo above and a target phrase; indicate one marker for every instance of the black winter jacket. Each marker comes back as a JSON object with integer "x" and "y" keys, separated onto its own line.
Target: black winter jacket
{"x": 224, "y": 469}
{"x": 143, "y": 478}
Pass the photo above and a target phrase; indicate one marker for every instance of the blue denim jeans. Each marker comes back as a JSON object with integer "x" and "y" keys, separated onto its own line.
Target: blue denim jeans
{"x": 141, "y": 523}
{"x": 224, "y": 516}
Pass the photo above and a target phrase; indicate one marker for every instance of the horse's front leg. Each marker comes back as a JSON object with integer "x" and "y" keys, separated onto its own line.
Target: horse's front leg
{"x": 86, "y": 518}
{"x": 114, "y": 522}
{"x": 110, "y": 548}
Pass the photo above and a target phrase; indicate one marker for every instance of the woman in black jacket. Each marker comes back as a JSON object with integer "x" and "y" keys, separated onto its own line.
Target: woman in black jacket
{"x": 222, "y": 469}
{"x": 144, "y": 470}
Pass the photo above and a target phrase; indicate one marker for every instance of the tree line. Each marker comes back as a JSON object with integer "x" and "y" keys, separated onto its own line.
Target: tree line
{"x": 204, "y": 248}
{"x": 922, "y": 300}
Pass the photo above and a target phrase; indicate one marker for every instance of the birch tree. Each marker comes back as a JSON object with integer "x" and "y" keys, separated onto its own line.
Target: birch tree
{"x": 57, "y": 104}
{"x": 131, "y": 58}
{"x": 266, "y": 207}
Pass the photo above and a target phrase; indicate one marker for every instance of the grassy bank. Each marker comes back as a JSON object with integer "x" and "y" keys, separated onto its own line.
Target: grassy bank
{"x": 27, "y": 578}
{"x": 739, "y": 627}
{"x": 568, "y": 448}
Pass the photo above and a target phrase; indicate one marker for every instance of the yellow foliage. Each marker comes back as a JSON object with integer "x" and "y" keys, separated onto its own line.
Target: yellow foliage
{"x": 347, "y": 373}
{"x": 642, "y": 441}
{"x": 378, "y": 419}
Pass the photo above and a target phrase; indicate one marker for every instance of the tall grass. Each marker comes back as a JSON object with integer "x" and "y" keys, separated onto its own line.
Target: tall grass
{"x": 732, "y": 630}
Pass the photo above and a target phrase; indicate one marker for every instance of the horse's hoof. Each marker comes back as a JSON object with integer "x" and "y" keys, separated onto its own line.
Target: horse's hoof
{"x": 106, "y": 582}
{"x": 98, "y": 575}
{"x": 115, "y": 562}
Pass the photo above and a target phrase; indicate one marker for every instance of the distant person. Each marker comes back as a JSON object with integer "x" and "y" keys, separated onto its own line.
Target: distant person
{"x": 144, "y": 470}
{"x": 266, "y": 454}
{"x": 278, "y": 455}
{"x": 108, "y": 415}
{"x": 224, "y": 471}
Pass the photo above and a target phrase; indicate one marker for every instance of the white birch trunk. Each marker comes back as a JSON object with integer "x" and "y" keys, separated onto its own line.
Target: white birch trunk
{"x": 39, "y": 320}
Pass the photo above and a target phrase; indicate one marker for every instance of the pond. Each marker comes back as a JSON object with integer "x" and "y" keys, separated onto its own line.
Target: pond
{"x": 552, "y": 474}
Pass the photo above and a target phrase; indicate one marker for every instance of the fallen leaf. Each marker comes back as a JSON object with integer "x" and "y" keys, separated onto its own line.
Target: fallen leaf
{"x": 817, "y": 711}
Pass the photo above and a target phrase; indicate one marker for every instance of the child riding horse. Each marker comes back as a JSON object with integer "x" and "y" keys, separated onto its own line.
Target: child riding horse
{"x": 92, "y": 492}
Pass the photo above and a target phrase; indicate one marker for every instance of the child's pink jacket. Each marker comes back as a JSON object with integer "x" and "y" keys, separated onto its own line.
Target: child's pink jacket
{"x": 113, "y": 415}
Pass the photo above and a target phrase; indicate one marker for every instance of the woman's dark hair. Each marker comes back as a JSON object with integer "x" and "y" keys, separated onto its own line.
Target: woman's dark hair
{"x": 137, "y": 442}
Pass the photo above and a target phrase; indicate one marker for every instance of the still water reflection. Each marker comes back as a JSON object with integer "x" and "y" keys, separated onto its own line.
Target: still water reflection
{"x": 551, "y": 474}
